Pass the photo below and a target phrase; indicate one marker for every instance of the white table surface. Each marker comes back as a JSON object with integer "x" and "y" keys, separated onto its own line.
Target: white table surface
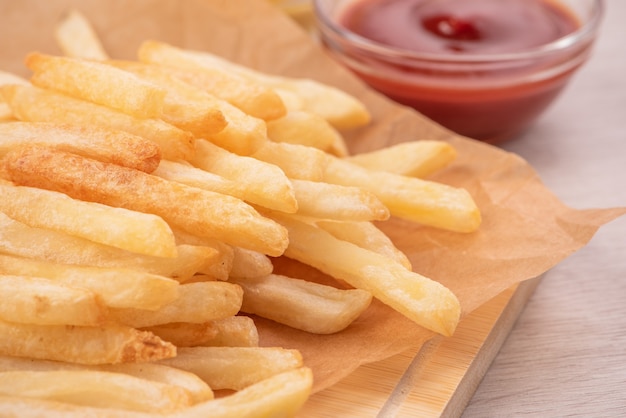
{"x": 566, "y": 355}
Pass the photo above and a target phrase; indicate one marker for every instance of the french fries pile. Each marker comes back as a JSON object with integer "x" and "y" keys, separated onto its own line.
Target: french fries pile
{"x": 142, "y": 204}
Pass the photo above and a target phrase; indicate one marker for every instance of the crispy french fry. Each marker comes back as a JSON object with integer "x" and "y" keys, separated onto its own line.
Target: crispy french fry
{"x": 106, "y": 344}
{"x": 339, "y": 108}
{"x": 77, "y": 38}
{"x": 17, "y": 239}
{"x": 32, "y": 104}
{"x": 234, "y": 367}
{"x": 95, "y": 388}
{"x": 424, "y": 301}
{"x": 251, "y": 97}
{"x": 142, "y": 233}
{"x": 332, "y": 201}
{"x": 266, "y": 182}
{"x": 184, "y": 105}
{"x": 234, "y": 331}
{"x": 366, "y": 235}
{"x": 197, "y": 389}
{"x": 304, "y": 128}
{"x": 301, "y": 304}
{"x": 198, "y": 302}
{"x": 97, "y": 82}
{"x": 194, "y": 210}
{"x": 116, "y": 287}
{"x": 34, "y": 300}
{"x": 426, "y": 202}
{"x": 248, "y": 263}
{"x": 296, "y": 161}
{"x": 107, "y": 145}
{"x": 414, "y": 159}
{"x": 184, "y": 334}
{"x": 280, "y": 395}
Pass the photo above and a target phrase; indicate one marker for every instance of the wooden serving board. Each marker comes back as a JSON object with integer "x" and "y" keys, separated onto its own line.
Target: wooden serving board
{"x": 434, "y": 380}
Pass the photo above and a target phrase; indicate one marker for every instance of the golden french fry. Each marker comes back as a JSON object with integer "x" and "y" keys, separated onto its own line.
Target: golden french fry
{"x": 138, "y": 232}
{"x": 426, "y": 202}
{"x": 95, "y": 388}
{"x": 107, "y": 145}
{"x": 296, "y": 161}
{"x": 424, "y": 301}
{"x": 332, "y": 201}
{"x": 234, "y": 331}
{"x": 282, "y": 394}
{"x": 252, "y": 98}
{"x": 302, "y": 304}
{"x": 98, "y": 83}
{"x": 17, "y": 239}
{"x": 106, "y": 344}
{"x": 197, "y": 389}
{"x": 184, "y": 105}
{"x": 32, "y": 104}
{"x": 248, "y": 263}
{"x": 267, "y": 183}
{"x": 234, "y": 367}
{"x": 339, "y": 108}
{"x": 194, "y": 210}
{"x": 34, "y": 300}
{"x": 116, "y": 287}
{"x": 413, "y": 159}
{"x": 304, "y": 128}
{"x": 366, "y": 235}
{"x": 197, "y": 303}
{"x": 77, "y": 38}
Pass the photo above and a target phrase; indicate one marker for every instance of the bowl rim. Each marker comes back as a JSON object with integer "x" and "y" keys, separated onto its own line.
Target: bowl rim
{"x": 581, "y": 36}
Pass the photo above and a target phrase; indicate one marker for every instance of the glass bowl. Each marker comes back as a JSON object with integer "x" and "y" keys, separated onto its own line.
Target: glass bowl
{"x": 486, "y": 96}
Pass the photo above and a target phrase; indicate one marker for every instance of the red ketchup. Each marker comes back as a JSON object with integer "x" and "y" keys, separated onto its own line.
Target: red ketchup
{"x": 446, "y": 59}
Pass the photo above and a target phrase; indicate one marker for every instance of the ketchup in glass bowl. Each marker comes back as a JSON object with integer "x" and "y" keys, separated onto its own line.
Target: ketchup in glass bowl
{"x": 485, "y": 69}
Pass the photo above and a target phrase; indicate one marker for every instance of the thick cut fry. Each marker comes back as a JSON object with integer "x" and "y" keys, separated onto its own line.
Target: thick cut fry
{"x": 252, "y": 98}
{"x": 142, "y": 233}
{"x": 98, "y": 83}
{"x": 184, "y": 105}
{"x": 107, "y": 145}
{"x": 296, "y": 161}
{"x": 95, "y": 388}
{"x": 235, "y": 367}
{"x": 281, "y": 395}
{"x": 77, "y": 38}
{"x": 304, "y": 128}
{"x": 107, "y": 344}
{"x": 198, "y": 390}
{"x": 235, "y": 331}
{"x": 198, "y": 302}
{"x": 32, "y": 104}
{"x": 248, "y": 263}
{"x": 194, "y": 210}
{"x": 268, "y": 184}
{"x": 413, "y": 159}
{"x": 332, "y": 201}
{"x": 426, "y": 202}
{"x": 339, "y": 108}
{"x": 301, "y": 304}
{"x": 17, "y": 239}
{"x": 34, "y": 300}
{"x": 188, "y": 107}
{"x": 184, "y": 334}
{"x": 366, "y": 235}
{"x": 424, "y": 301}
{"x": 116, "y": 287}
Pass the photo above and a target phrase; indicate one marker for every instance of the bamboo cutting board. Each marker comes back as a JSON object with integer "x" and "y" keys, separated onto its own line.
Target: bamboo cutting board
{"x": 435, "y": 380}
